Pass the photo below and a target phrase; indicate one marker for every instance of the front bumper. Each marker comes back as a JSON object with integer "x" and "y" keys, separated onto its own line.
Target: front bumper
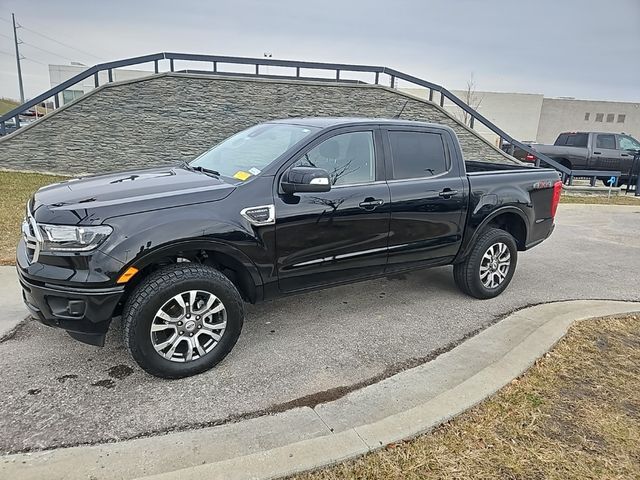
{"x": 85, "y": 313}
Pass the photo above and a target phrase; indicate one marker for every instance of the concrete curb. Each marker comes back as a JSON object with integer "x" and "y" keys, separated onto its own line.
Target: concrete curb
{"x": 397, "y": 408}
{"x": 12, "y": 310}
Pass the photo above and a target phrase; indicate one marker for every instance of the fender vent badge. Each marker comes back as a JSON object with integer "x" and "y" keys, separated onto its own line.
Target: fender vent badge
{"x": 261, "y": 215}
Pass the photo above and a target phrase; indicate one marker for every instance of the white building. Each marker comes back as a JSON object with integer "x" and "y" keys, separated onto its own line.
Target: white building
{"x": 532, "y": 117}
{"x": 528, "y": 117}
{"x": 61, "y": 73}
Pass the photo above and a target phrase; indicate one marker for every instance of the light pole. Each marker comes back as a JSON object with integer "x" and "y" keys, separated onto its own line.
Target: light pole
{"x": 17, "y": 42}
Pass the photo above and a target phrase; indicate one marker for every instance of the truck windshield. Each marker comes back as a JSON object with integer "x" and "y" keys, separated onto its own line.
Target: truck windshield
{"x": 628, "y": 143}
{"x": 247, "y": 153}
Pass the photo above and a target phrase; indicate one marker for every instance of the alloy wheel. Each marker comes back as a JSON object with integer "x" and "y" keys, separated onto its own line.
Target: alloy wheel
{"x": 495, "y": 265}
{"x": 188, "y": 326}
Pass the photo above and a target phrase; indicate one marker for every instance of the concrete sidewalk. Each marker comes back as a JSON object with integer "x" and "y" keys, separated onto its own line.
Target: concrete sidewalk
{"x": 12, "y": 309}
{"x": 397, "y": 408}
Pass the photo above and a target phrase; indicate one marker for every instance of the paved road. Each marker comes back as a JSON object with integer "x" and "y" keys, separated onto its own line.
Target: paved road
{"x": 55, "y": 391}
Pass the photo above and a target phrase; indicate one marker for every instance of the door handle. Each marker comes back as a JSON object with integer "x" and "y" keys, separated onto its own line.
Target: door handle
{"x": 597, "y": 153}
{"x": 371, "y": 203}
{"x": 448, "y": 193}
{"x": 624, "y": 155}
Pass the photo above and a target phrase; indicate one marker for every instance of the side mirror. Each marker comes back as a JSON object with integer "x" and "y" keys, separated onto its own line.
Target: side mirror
{"x": 305, "y": 179}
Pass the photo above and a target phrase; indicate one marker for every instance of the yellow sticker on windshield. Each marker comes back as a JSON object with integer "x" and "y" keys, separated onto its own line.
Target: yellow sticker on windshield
{"x": 240, "y": 175}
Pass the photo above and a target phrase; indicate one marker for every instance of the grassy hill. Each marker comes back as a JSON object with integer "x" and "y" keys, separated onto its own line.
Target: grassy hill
{"x": 7, "y": 104}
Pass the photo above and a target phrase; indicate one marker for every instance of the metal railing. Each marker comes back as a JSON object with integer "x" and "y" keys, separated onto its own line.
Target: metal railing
{"x": 338, "y": 69}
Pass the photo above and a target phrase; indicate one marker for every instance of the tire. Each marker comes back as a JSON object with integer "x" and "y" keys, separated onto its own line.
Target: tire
{"x": 162, "y": 292}
{"x": 467, "y": 274}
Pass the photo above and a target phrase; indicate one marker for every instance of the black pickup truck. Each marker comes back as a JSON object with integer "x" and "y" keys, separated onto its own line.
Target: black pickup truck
{"x": 594, "y": 151}
{"x": 283, "y": 207}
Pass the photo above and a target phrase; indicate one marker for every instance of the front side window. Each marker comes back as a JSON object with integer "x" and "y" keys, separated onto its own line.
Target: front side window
{"x": 417, "y": 154}
{"x": 606, "y": 141}
{"x": 348, "y": 158}
{"x": 628, "y": 143}
{"x": 247, "y": 153}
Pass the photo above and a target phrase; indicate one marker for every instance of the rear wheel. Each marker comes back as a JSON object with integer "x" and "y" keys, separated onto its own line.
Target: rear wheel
{"x": 182, "y": 320}
{"x": 489, "y": 267}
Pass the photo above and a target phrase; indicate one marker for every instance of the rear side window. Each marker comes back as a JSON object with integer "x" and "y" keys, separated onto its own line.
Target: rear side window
{"x": 606, "y": 141}
{"x": 572, "y": 139}
{"x": 417, "y": 154}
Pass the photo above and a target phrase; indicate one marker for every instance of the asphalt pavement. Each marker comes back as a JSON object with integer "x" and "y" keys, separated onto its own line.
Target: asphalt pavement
{"x": 301, "y": 350}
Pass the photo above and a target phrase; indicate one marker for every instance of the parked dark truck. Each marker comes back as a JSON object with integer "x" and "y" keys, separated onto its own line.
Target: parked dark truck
{"x": 594, "y": 151}
{"x": 283, "y": 207}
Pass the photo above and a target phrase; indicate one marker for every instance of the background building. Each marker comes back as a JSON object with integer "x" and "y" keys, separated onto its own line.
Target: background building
{"x": 528, "y": 117}
{"x": 536, "y": 118}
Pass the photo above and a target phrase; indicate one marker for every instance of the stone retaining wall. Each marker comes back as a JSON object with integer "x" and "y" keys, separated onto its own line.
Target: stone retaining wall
{"x": 166, "y": 118}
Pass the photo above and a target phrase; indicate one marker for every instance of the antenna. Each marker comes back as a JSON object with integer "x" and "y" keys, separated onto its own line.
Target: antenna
{"x": 401, "y": 110}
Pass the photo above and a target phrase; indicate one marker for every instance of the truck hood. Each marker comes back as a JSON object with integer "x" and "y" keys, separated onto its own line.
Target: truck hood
{"x": 91, "y": 200}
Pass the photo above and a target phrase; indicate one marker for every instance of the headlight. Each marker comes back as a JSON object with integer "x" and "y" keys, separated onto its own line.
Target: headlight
{"x": 67, "y": 238}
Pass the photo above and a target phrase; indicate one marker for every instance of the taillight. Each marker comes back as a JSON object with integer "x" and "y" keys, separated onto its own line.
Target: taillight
{"x": 557, "y": 190}
{"x": 530, "y": 157}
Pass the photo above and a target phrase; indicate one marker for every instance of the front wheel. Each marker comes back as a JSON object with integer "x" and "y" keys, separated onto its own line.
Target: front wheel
{"x": 489, "y": 267}
{"x": 182, "y": 320}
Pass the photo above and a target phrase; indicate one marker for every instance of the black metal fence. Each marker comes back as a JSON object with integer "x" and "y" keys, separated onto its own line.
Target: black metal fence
{"x": 375, "y": 74}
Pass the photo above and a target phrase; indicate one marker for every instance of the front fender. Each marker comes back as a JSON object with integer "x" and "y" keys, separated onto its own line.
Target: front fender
{"x": 141, "y": 239}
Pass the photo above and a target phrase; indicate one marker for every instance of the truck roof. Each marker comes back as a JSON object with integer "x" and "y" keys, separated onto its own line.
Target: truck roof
{"x": 325, "y": 122}
{"x": 574, "y": 132}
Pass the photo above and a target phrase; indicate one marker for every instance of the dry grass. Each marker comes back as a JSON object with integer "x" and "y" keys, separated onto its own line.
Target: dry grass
{"x": 575, "y": 415}
{"x": 16, "y": 189}
{"x": 597, "y": 200}
{"x": 7, "y": 104}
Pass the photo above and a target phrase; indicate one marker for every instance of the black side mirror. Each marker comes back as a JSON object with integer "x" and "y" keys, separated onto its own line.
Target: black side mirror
{"x": 306, "y": 179}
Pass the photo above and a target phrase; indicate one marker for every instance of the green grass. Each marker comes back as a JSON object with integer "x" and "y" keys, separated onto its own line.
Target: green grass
{"x": 16, "y": 189}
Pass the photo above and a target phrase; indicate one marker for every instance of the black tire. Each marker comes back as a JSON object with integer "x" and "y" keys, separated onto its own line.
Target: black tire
{"x": 467, "y": 273}
{"x": 152, "y": 293}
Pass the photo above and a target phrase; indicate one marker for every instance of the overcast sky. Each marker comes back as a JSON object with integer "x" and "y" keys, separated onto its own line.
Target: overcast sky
{"x": 575, "y": 48}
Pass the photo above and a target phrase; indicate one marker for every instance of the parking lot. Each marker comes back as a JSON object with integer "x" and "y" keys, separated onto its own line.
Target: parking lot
{"x": 301, "y": 350}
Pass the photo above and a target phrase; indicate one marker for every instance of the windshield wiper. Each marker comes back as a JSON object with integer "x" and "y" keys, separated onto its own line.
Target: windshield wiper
{"x": 206, "y": 171}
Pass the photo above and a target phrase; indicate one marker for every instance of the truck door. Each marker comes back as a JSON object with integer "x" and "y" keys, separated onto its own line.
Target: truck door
{"x": 428, "y": 197}
{"x": 627, "y": 147}
{"x": 342, "y": 234}
{"x": 605, "y": 152}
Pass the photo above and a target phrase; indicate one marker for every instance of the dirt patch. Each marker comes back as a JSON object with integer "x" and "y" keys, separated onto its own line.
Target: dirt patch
{"x": 574, "y": 415}
{"x": 120, "y": 371}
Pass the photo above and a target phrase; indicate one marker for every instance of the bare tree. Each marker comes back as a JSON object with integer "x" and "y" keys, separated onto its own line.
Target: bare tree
{"x": 471, "y": 98}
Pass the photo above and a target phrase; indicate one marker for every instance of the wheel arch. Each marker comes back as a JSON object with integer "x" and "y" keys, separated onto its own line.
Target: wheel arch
{"x": 509, "y": 219}
{"x": 229, "y": 260}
